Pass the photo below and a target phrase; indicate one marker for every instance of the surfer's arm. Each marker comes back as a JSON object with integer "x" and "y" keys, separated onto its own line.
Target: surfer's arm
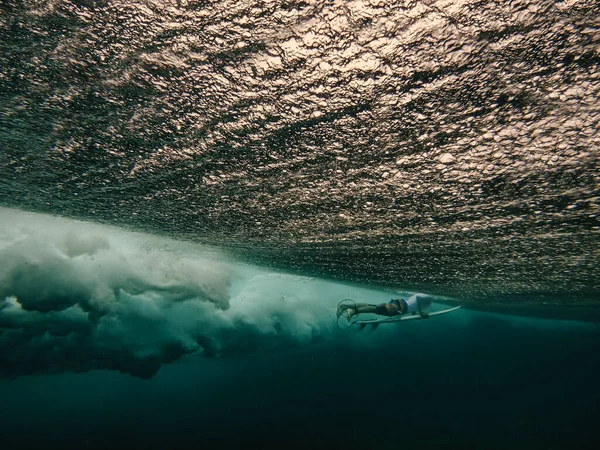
{"x": 423, "y": 304}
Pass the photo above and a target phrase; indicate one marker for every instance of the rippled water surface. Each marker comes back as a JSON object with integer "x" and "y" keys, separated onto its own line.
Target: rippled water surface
{"x": 246, "y": 153}
{"x": 447, "y": 146}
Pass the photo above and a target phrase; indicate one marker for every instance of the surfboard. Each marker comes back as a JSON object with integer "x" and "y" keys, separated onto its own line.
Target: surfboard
{"x": 401, "y": 318}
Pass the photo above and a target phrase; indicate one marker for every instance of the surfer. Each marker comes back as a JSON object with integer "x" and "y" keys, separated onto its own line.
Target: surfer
{"x": 416, "y": 304}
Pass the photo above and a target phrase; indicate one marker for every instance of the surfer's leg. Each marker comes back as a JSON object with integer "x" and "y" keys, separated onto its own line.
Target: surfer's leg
{"x": 383, "y": 309}
{"x": 364, "y": 308}
{"x": 360, "y": 309}
{"x": 388, "y": 309}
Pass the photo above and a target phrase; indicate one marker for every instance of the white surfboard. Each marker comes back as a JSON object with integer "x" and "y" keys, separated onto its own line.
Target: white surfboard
{"x": 400, "y": 318}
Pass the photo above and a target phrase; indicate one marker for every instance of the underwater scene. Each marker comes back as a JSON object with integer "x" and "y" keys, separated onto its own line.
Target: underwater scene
{"x": 358, "y": 224}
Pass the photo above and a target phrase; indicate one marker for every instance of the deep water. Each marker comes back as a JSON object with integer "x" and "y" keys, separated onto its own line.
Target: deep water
{"x": 110, "y": 338}
{"x": 473, "y": 380}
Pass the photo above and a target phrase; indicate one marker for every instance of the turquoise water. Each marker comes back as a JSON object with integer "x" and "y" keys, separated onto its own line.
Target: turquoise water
{"x": 241, "y": 167}
{"x": 491, "y": 384}
{"x": 113, "y": 338}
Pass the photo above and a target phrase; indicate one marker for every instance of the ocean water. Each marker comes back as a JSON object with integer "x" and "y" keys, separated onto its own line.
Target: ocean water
{"x": 115, "y": 338}
{"x": 189, "y": 187}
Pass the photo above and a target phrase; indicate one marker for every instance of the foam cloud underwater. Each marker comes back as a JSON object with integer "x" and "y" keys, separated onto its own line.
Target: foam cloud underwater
{"x": 76, "y": 296}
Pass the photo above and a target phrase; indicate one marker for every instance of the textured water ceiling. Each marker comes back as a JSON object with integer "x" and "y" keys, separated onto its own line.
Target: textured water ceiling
{"x": 450, "y": 146}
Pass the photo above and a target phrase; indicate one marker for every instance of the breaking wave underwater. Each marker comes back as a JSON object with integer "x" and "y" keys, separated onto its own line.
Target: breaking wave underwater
{"x": 77, "y": 296}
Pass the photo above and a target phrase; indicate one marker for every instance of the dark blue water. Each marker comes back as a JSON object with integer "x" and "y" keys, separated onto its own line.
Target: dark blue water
{"x": 111, "y": 338}
{"x": 472, "y": 381}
